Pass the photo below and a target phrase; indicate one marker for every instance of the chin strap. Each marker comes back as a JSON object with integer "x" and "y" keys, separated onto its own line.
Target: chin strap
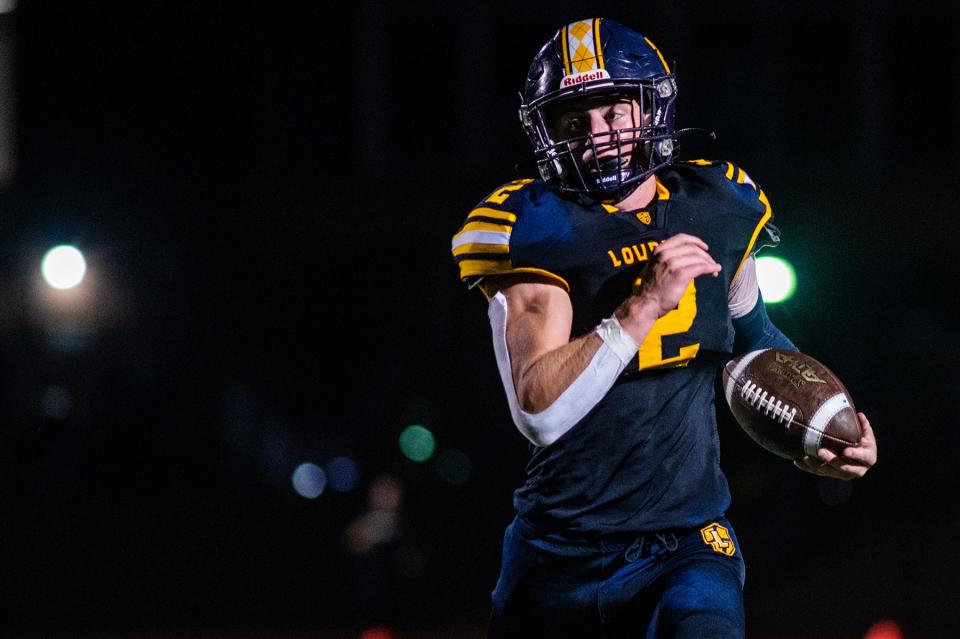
{"x": 693, "y": 131}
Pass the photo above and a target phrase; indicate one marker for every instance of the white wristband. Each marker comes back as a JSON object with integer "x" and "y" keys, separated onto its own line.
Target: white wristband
{"x": 619, "y": 340}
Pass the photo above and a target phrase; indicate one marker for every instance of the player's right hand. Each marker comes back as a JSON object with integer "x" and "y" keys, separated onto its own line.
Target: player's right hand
{"x": 855, "y": 461}
{"x": 674, "y": 263}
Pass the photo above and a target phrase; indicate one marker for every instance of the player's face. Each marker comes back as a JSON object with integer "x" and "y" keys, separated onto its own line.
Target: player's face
{"x": 601, "y": 121}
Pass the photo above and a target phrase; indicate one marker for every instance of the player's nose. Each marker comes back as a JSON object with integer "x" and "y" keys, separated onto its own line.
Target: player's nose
{"x": 598, "y": 123}
{"x": 604, "y": 136}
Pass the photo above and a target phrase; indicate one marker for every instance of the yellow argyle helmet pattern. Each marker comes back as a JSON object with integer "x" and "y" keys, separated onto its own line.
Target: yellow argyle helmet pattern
{"x": 582, "y": 50}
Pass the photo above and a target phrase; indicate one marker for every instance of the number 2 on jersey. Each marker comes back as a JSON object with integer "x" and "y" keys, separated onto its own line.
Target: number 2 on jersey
{"x": 677, "y": 321}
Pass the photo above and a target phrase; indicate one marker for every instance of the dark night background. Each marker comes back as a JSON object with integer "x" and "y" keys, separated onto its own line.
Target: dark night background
{"x": 265, "y": 193}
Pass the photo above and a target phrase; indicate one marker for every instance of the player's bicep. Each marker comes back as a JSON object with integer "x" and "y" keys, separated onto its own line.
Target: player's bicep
{"x": 539, "y": 318}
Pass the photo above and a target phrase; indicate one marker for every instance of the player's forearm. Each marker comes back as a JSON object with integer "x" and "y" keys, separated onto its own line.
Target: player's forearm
{"x": 540, "y": 382}
{"x": 536, "y": 356}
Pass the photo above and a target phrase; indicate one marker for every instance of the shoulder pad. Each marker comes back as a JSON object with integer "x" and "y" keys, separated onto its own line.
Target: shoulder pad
{"x": 726, "y": 181}
{"x": 765, "y": 233}
{"x": 482, "y": 245}
{"x": 748, "y": 200}
{"x": 731, "y": 180}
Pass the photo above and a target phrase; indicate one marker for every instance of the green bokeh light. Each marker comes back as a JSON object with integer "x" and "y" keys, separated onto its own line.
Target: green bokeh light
{"x": 417, "y": 443}
{"x": 777, "y": 279}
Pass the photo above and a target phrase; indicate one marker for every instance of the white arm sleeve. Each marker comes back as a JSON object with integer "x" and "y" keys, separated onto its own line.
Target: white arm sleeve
{"x": 744, "y": 290}
{"x": 546, "y": 427}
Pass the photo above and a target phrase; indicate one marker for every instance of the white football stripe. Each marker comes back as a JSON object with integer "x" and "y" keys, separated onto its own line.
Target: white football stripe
{"x": 735, "y": 373}
{"x": 481, "y": 237}
{"x": 819, "y": 421}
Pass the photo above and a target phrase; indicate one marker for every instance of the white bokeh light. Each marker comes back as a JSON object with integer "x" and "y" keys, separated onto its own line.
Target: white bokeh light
{"x": 776, "y": 278}
{"x": 63, "y": 267}
{"x": 309, "y": 480}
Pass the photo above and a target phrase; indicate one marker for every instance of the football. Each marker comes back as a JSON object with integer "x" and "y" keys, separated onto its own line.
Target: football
{"x": 790, "y": 403}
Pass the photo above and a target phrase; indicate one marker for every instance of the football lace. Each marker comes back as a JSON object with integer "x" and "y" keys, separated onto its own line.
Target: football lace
{"x": 767, "y": 404}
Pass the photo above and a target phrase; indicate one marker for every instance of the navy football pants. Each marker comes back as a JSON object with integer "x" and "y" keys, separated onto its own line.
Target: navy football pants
{"x": 665, "y": 585}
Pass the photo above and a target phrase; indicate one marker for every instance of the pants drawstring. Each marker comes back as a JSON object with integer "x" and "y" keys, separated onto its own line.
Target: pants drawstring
{"x": 641, "y": 546}
{"x": 635, "y": 550}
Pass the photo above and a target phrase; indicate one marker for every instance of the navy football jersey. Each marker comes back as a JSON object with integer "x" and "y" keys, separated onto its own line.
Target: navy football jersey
{"x": 646, "y": 457}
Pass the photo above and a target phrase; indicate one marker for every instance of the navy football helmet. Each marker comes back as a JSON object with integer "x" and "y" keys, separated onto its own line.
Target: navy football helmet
{"x": 588, "y": 63}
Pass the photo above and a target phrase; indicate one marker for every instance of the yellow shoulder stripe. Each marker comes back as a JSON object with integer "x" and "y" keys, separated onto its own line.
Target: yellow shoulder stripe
{"x": 496, "y": 214}
{"x": 767, "y": 214}
{"x": 663, "y": 192}
{"x": 501, "y": 194}
{"x": 473, "y": 268}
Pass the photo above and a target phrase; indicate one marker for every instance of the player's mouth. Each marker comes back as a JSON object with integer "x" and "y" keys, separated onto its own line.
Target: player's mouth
{"x": 609, "y": 164}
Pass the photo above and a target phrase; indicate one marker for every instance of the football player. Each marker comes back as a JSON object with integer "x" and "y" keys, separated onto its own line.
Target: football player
{"x": 618, "y": 285}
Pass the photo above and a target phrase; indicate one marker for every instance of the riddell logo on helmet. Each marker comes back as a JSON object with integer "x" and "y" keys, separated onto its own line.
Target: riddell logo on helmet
{"x": 586, "y": 76}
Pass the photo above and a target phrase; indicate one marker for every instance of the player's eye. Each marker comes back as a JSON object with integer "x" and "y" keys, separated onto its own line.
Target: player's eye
{"x": 616, "y": 114}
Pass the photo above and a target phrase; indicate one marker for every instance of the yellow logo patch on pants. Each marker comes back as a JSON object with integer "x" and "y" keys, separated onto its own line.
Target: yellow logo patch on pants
{"x": 718, "y": 538}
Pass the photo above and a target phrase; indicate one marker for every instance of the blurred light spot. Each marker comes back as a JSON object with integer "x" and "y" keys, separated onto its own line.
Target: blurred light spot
{"x": 343, "y": 474}
{"x": 6, "y": 6}
{"x": 834, "y": 492}
{"x": 884, "y": 629}
{"x": 63, "y": 267}
{"x": 454, "y": 466}
{"x": 385, "y": 493}
{"x": 777, "y": 279}
{"x": 309, "y": 480}
{"x": 417, "y": 443}
{"x": 373, "y": 528}
{"x": 57, "y": 402}
{"x": 378, "y": 632}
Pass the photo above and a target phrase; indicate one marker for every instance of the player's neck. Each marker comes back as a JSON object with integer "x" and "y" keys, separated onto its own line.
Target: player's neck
{"x": 640, "y": 197}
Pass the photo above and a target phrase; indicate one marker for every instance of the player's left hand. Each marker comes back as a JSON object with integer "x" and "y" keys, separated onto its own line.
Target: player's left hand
{"x": 855, "y": 461}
